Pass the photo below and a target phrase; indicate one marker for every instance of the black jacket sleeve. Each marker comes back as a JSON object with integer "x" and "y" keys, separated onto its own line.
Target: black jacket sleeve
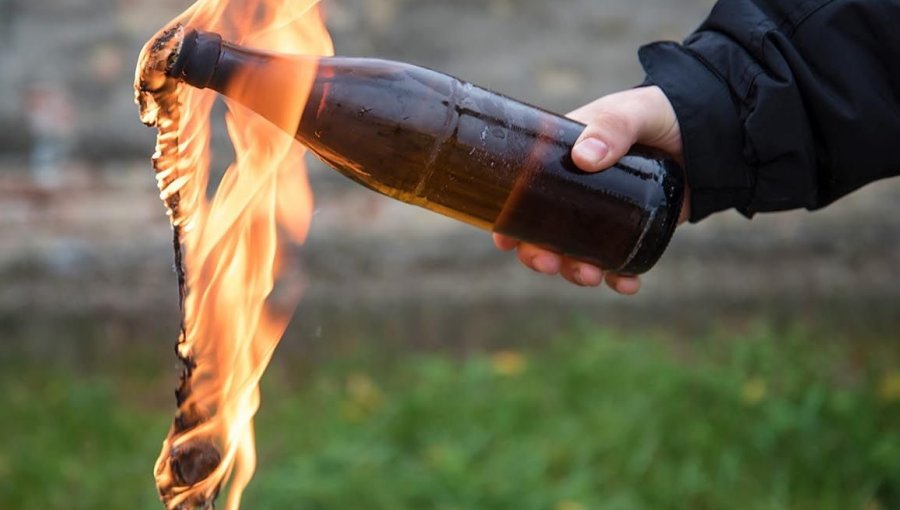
{"x": 784, "y": 103}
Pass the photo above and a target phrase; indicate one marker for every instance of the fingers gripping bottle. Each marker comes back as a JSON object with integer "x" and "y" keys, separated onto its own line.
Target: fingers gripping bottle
{"x": 429, "y": 139}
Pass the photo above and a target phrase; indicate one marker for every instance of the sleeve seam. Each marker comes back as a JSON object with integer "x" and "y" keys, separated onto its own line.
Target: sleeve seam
{"x": 803, "y": 18}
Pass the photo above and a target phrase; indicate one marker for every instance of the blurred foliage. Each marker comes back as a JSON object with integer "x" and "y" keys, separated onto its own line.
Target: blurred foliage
{"x": 762, "y": 418}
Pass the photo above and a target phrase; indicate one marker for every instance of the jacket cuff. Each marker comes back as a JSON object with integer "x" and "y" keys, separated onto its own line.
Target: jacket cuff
{"x": 710, "y": 126}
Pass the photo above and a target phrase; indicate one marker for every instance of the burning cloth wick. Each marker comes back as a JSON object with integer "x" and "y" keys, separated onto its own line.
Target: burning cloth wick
{"x": 228, "y": 248}
{"x": 158, "y": 99}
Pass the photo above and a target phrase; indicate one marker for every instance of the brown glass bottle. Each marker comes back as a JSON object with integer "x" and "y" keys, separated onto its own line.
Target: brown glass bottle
{"x": 432, "y": 140}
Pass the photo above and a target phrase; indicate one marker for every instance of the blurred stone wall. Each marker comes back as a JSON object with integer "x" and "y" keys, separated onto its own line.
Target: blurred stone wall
{"x": 83, "y": 50}
{"x": 558, "y": 54}
{"x": 98, "y": 243}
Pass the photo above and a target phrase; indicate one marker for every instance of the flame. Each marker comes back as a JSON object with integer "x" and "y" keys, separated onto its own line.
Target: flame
{"x": 231, "y": 243}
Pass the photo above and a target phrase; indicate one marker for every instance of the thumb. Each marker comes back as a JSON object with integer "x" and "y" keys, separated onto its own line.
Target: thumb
{"x": 614, "y": 124}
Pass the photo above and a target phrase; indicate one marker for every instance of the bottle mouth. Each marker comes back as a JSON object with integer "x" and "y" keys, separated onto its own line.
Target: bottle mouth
{"x": 195, "y": 61}
{"x": 175, "y": 55}
{"x": 188, "y": 56}
{"x": 153, "y": 87}
{"x": 158, "y": 58}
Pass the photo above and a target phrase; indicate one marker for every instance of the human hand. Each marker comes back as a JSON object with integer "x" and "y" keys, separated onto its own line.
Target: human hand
{"x": 615, "y": 123}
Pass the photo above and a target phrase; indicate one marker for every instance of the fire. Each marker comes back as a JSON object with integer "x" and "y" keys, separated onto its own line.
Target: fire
{"x": 227, "y": 247}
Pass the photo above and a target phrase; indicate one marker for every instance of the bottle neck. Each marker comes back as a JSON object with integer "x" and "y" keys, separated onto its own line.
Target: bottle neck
{"x": 273, "y": 85}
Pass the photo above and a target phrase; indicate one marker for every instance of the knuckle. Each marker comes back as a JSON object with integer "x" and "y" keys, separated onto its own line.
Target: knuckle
{"x": 614, "y": 127}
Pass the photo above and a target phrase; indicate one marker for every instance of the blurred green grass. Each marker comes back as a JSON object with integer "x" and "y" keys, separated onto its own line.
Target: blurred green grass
{"x": 762, "y": 418}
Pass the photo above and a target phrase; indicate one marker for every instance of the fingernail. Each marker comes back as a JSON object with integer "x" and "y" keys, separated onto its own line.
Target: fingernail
{"x": 591, "y": 149}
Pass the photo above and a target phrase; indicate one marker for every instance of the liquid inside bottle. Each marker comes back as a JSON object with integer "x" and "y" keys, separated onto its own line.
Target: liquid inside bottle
{"x": 429, "y": 139}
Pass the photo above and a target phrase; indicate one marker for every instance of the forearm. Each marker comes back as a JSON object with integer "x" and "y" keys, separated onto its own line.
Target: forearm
{"x": 784, "y": 103}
